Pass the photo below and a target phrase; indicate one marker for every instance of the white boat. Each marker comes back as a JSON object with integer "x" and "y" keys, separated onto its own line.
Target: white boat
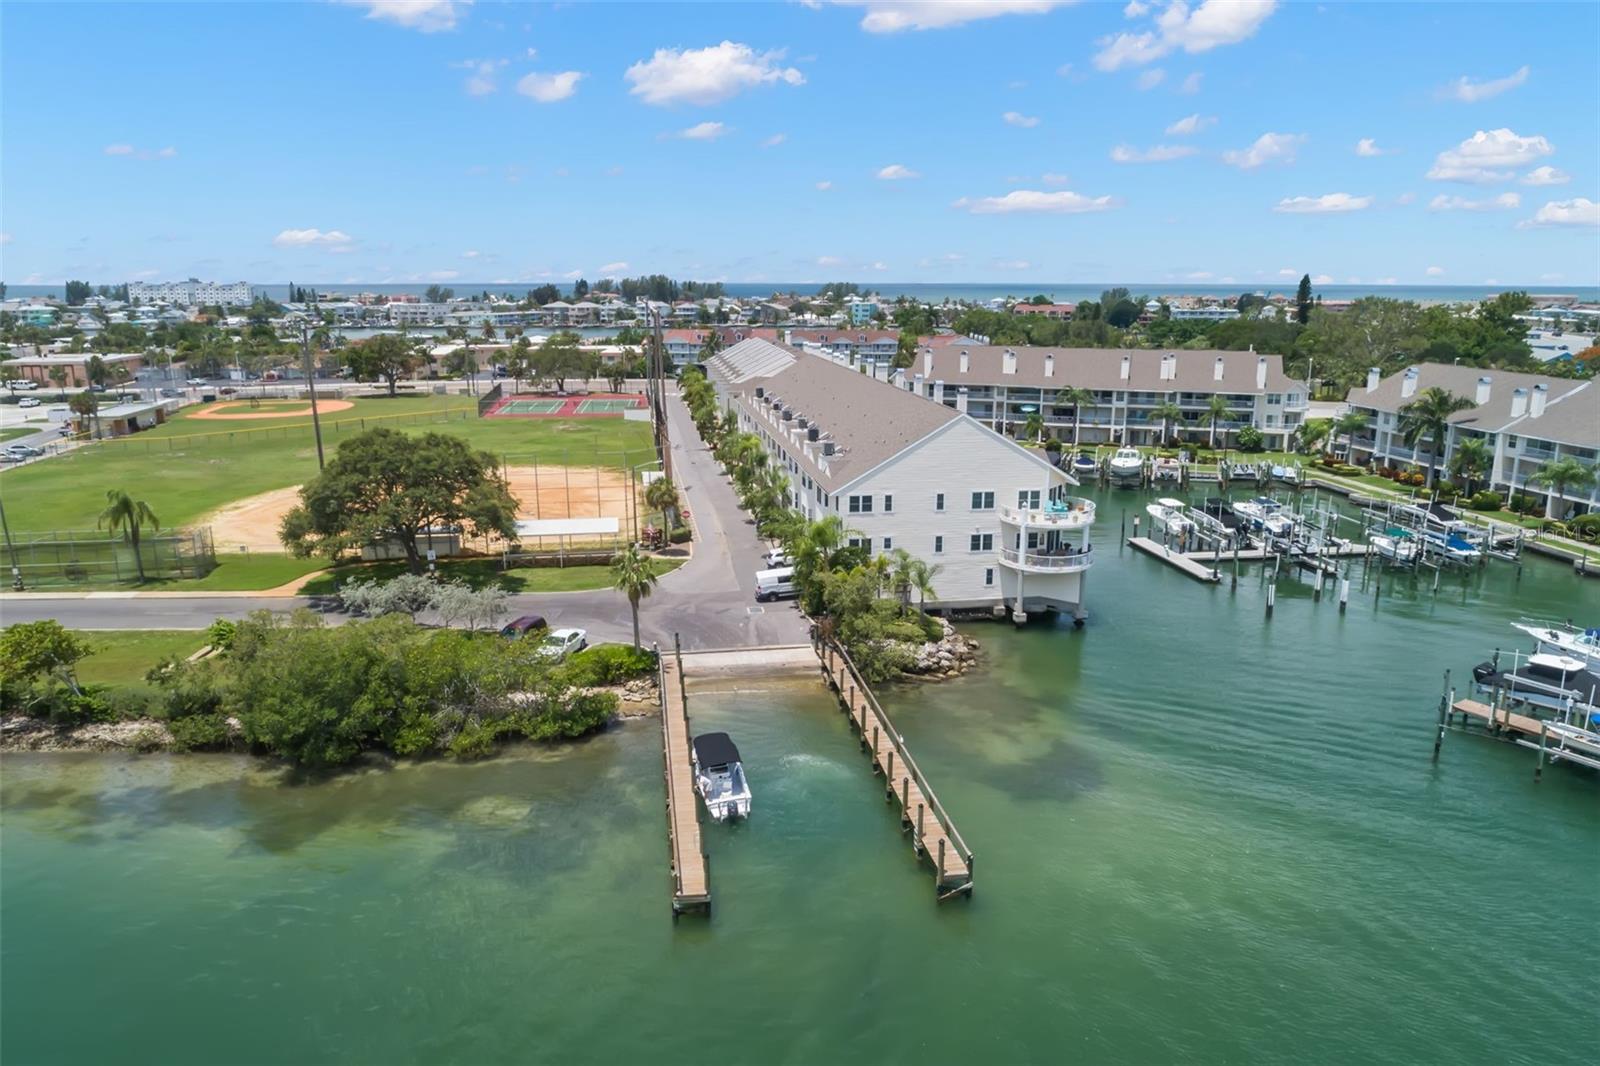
{"x": 1167, "y": 516}
{"x": 1166, "y": 470}
{"x": 719, "y": 776}
{"x": 1242, "y": 471}
{"x": 1565, "y": 639}
{"x": 1449, "y": 543}
{"x": 1400, "y": 548}
{"x": 1127, "y": 464}
{"x": 1266, "y": 515}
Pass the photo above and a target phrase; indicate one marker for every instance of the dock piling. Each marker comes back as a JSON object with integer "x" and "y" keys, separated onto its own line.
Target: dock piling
{"x": 1272, "y": 591}
{"x": 1344, "y": 593}
{"x": 1444, "y": 710}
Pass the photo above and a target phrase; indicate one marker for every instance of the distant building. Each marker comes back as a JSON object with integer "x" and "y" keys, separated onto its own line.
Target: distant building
{"x": 75, "y": 364}
{"x": 1056, "y": 311}
{"x": 861, "y": 312}
{"x": 192, "y": 293}
{"x": 859, "y": 344}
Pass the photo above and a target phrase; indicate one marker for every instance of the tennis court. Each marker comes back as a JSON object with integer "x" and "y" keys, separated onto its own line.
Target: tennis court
{"x": 530, "y": 407}
{"x": 609, "y": 407}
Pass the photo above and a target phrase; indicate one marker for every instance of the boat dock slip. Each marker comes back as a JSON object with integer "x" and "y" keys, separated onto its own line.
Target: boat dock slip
{"x": 1256, "y": 555}
{"x": 691, "y": 870}
{"x": 1555, "y": 741}
{"x": 933, "y": 835}
{"x": 1197, "y": 570}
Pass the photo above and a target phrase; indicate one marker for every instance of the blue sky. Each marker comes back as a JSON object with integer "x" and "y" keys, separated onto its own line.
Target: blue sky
{"x": 1014, "y": 140}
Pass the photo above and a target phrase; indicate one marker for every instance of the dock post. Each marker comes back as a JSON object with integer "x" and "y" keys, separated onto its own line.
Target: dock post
{"x": 874, "y": 743}
{"x": 1316, "y": 595}
{"x": 1444, "y": 709}
{"x": 888, "y": 776}
{"x": 1544, "y": 732}
{"x": 1271, "y": 595}
{"x": 850, "y": 703}
{"x": 1136, "y": 526}
{"x": 938, "y": 869}
{"x": 1344, "y": 593}
{"x": 905, "y": 798}
{"x": 1122, "y": 530}
{"x": 920, "y": 809}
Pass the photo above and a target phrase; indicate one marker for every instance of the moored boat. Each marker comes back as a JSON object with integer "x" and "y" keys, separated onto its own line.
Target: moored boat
{"x": 1166, "y": 470}
{"x": 1166, "y": 515}
{"x": 719, "y": 776}
{"x": 1264, "y": 514}
{"x": 1396, "y": 545}
{"x": 1085, "y": 465}
{"x": 1564, "y": 639}
{"x": 1127, "y": 465}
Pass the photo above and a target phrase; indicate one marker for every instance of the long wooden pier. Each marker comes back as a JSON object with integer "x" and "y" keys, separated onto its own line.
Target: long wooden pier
{"x": 933, "y": 835}
{"x": 691, "y": 869}
{"x": 1554, "y": 741}
{"x": 1176, "y": 559}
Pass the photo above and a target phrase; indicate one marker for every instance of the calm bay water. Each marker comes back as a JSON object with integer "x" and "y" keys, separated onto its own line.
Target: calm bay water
{"x": 1201, "y": 836}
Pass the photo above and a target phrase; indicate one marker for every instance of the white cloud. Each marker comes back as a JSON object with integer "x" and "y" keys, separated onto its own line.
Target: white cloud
{"x": 1013, "y": 264}
{"x": 573, "y": 275}
{"x": 829, "y": 261}
{"x": 893, "y": 16}
{"x": 707, "y": 75}
{"x": 1488, "y": 156}
{"x": 775, "y": 140}
{"x": 471, "y": 254}
{"x": 1322, "y": 279}
{"x": 824, "y": 186}
{"x": 1554, "y": 276}
{"x": 1160, "y": 153}
{"x": 1434, "y": 272}
{"x": 1405, "y": 198}
{"x": 141, "y": 153}
{"x": 481, "y": 77}
{"x": 1017, "y": 118}
{"x": 1191, "y": 84}
{"x": 1209, "y": 25}
{"x": 1368, "y": 148}
{"x": 897, "y": 172}
{"x": 1029, "y": 201}
{"x": 1503, "y": 202}
{"x": 1470, "y": 92}
{"x": 880, "y": 265}
{"x": 704, "y": 131}
{"x": 613, "y": 268}
{"x": 1268, "y": 148}
{"x": 425, "y": 16}
{"x": 119, "y": 149}
{"x": 306, "y": 238}
{"x": 550, "y": 88}
{"x": 1198, "y": 275}
{"x": 1135, "y": 9}
{"x": 1332, "y": 203}
{"x": 1053, "y": 179}
{"x": 443, "y": 275}
{"x": 1288, "y": 272}
{"x": 1151, "y": 78}
{"x": 1546, "y": 176}
{"x": 1576, "y": 212}
{"x": 1193, "y": 124}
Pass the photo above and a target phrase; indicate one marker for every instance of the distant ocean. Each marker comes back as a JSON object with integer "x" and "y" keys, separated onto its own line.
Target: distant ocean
{"x": 936, "y": 292}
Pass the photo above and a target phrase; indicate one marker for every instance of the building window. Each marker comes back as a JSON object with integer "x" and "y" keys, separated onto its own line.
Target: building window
{"x": 938, "y": 501}
{"x": 988, "y": 577}
{"x": 1028, "y": 499}
{"x": 859, "y": 542}
{"x": 983, "y": 501}
{"x": 981, "y": 542}
{"x": 938, "y": 545}
{"x": 860, "y": 504}
{"x": 888, "y": 544}
{"x": 888, "y": 503}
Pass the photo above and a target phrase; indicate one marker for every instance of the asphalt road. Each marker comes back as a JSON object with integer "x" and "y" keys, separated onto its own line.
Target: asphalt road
{"x": 709, "y": 601}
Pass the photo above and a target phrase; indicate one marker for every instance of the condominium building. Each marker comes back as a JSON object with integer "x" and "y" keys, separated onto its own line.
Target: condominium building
{"x": 1001, "y": 387}
{"x": 192, "y": 293}
{"x": 906, "y": 473}
{"x": 860, "y": 343}
{"x": 1525, "y": 420}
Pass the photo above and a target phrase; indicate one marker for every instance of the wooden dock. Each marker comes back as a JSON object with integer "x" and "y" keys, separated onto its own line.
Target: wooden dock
{"x": 1257, "y": 555}
{"x": 933, "y": 835}
{"x": 1553, "y": 740}
{"x": 1197, "y": 570}
{"x": 691, "y": 869}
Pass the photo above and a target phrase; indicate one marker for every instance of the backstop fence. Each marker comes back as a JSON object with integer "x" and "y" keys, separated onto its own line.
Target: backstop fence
{"x": 92, "y": 556}
{"x": 490, "y": 398}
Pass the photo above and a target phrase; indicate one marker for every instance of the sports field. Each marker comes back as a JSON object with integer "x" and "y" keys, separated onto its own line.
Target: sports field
{"x": 601, "y": 405}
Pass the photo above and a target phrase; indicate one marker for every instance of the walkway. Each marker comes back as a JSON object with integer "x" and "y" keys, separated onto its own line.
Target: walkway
{"x": 691, "y": 873}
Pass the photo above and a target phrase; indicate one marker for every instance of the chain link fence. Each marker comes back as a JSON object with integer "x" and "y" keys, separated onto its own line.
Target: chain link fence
{"x": 69, "y": 557}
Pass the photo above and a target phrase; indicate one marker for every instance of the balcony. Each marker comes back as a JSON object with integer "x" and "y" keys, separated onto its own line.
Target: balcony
{"x": 1073, "y": 513}
{"x": 1064, "y": 561}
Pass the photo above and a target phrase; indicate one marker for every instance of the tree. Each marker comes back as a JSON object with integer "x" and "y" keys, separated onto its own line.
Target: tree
{"x": 1302, "y": 301}
{"x": 1312, "y": 433}
{"x": 1557, "y": 475}
{"x": 58, "y": 376}
{"x": 1170, "y": 414}
{"x": 1428, "y": 418}
{"x": 436, "y": 295}
{"x": 711, "y": 345}
{"x": 1216, "y": 411}
{"x": 905, "y": 353}
{"x": 388, "y": 356}
{"x": 558, "y": 358}
{"x": 29, "y": 650}
{"x": 1123, "y": 313}
{"x": 662, "y": 495}
{"x": 1347, "y": 426}
{"x": 77, "y": 292}
{"x": 1033, "y": 426}
{"x": 1077, "y": 398}
{"x": 1470, "y": 461}
{"x": 98, "y": 371}
{"x": 125, "y": 513}
{"x": 387, "y": 486}
{"x": 922, "y": 576}
{"x": 86, "y": 405}
{"x": 634, "y": 574}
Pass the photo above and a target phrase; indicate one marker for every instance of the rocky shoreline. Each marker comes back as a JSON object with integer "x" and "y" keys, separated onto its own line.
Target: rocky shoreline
{"x": 945, "y": 659}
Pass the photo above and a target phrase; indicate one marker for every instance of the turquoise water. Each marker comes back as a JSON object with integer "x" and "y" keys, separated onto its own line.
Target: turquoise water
{"x": 1201, "y": 836}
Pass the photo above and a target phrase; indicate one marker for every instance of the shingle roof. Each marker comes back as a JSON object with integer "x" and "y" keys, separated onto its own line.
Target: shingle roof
{"x": 1571, "y": 415}
{"x": 1101, "y": 368}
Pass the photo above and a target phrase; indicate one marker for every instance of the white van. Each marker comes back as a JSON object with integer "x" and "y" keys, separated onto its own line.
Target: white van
{"x": 775, "y": 585}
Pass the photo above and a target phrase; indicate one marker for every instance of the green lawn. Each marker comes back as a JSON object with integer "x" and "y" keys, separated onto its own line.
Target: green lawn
{"x": 481, "y": 572}
{"x": 13, "y": 432}
{"x": 188, "y": 468}
{"x": 125, "y": 656}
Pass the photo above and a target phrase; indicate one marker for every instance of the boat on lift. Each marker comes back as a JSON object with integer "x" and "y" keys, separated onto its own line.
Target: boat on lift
{"x": 1240, "y": 471}
{"x": 1450, "y": 543}
{"x": 719, "y": 776}
{"x": 1166, "y": 470}
{"x": 1084, "y": 464}
{"x": 1126, "y": 465}
{"x": 1564, "y": 639}
{"x": 1553, "y": 682}
{"x": 1265, "y": 515}
{"x": 1167, "y": 515}
{"x": 1396, "y": 545}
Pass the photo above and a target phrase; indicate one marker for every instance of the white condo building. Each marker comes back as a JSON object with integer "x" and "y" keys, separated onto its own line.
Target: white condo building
{"x": 902, "y": 472}
{"x": 192, "y": 293}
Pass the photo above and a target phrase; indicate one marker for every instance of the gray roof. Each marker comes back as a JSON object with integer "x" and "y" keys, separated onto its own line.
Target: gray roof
{"x": 869, "y": 421}
{"x": 1571, "y": 414}
{"x": 1101, "y": 368}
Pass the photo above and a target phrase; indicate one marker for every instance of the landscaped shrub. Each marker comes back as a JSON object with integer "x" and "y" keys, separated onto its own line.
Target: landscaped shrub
{"x": 1586, "y": 527}
{"x": 1485, "y": 501}
{"x": 608, "y": 664}
{"x": 681, "y": 535}
{"x": 198, "y": 731}
{"x": 1525, "y": 503}
{"x": 1249, "y": 439}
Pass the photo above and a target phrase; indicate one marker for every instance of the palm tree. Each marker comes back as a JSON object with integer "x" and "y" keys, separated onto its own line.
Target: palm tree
{"x": 1557, "y": 475}
{"x": 633, "y": 574}
{"x": 58, "y": 377}
{"x": 1311, "y": 433}
{"x": 1428, "y": 417}
{"x": 1470, "y": 461}
{"x": 86, "y": 404}
{"x": 922, "y": 576}
{"x": 662, "y": 495}
{"x": 1033, "y": 427}
{"x": 1347, "y": 426}
{"x": 130, "y": 516}
{"x": 1076, "y": 398}
{"x": 1169, "y": 413}
{"x": 711, "y": 346}
{"x": 1216, "y": 411}
{"x": 904, "y": 567}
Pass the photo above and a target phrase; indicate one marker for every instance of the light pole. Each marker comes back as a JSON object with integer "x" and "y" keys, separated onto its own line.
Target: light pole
{"x": 16, "y": 568}
{"x": 311, "y": 388}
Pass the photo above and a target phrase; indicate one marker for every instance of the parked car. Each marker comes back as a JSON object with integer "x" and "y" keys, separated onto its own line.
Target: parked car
{"x": 195, "y": 381}
{"x": 28, "y": 401}
{"x": 170, "y": 392}
{"x": 776, "y": 584}
{"x": 777, "y": 558}
{"x": 562, "y": 643}
{"x": 25, "y": 384}
{"x": 521, "y": 627}
{"x": 26, "y": 451}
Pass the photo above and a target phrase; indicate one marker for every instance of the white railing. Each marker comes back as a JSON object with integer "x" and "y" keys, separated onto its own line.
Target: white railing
{"x": 1080, "y": 513}
{"x": 1061, "y": 562}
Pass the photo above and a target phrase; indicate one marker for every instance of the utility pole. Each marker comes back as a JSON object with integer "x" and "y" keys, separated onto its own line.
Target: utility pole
{"x": 311, "y": 387}
{"x": 16, "y": 568}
